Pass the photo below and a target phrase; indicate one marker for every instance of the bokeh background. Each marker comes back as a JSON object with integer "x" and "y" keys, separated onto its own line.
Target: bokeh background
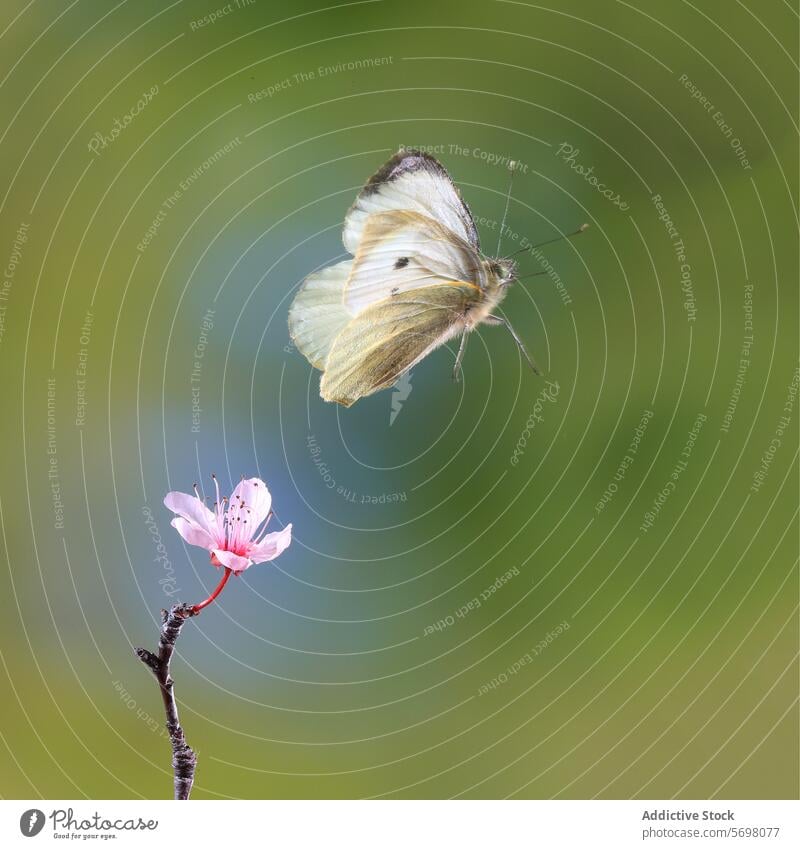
{"x": 476, "y": 602}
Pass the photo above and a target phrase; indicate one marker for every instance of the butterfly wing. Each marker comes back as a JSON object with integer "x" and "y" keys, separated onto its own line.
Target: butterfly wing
{"x": 389, "y": 337}
{"x": 318, "y": 314}
{"x": 417, "y": 182}
{"x": 410, "y": 232}
{"x": 402, "y": 250}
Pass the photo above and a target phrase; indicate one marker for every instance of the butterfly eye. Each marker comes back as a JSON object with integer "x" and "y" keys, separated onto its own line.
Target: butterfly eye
{"x": 502, "y": 271}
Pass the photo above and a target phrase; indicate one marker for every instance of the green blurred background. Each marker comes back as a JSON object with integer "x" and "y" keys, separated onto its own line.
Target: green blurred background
{"x": 132, "y": 365}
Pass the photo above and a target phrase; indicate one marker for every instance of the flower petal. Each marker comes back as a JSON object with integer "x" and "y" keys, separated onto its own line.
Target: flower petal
{"x": 192, "y": 508}
{"x": 254, "y": 493}
{"x": 193, "y": 534}
{"x": 233, "y": 561}
{"x": 271, "y": 546}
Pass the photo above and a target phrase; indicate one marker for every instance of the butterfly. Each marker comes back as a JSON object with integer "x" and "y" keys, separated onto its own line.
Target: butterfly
{"x": 417, "y": 279}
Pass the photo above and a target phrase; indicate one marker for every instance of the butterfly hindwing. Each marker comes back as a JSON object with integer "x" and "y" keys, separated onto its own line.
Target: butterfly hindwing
{"x": 318, "y": 314}
{"x": 389, "y": 337}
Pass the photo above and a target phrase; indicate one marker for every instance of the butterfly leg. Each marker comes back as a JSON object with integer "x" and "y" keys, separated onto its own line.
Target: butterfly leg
{"x": 460, "y": 356}
{"x": 495, "y": 319}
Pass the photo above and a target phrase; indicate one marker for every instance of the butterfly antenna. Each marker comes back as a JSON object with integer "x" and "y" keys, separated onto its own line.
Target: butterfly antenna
{"x": 512, "y": 167}
{"x": 577, "y": 232}
{"x": 534, "y": 274}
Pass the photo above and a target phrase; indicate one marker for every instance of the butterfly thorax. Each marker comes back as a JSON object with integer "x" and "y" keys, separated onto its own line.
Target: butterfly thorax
{"x": 497, "y": 274}
{"x": 500, "y": 270}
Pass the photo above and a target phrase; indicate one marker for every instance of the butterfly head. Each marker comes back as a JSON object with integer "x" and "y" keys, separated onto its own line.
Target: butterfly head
{"x": 502, "y": 272}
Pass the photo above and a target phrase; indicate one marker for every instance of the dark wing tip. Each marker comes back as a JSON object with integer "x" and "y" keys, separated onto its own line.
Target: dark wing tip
{"x": 406, "y": 160}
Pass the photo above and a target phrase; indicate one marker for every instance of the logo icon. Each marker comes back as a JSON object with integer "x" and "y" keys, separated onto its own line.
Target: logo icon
{"x": 400, "y": 393}
{"x": 31, "y": 822}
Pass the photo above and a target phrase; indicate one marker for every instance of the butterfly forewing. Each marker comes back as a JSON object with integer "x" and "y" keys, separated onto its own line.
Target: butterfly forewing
{"x": 414, "y": 181}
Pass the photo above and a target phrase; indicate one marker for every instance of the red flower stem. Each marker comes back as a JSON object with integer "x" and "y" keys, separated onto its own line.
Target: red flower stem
{"x": 198, "y": 607}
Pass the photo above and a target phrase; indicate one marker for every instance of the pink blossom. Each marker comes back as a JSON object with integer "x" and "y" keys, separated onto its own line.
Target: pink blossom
{"x": 234, "y": 531}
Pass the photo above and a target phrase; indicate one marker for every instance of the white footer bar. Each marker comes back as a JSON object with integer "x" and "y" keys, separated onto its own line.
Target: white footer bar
{"x": 403, "y": 824}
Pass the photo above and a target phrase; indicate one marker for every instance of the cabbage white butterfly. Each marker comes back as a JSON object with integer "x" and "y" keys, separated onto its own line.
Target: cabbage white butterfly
{"x": 416, "y": 280}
